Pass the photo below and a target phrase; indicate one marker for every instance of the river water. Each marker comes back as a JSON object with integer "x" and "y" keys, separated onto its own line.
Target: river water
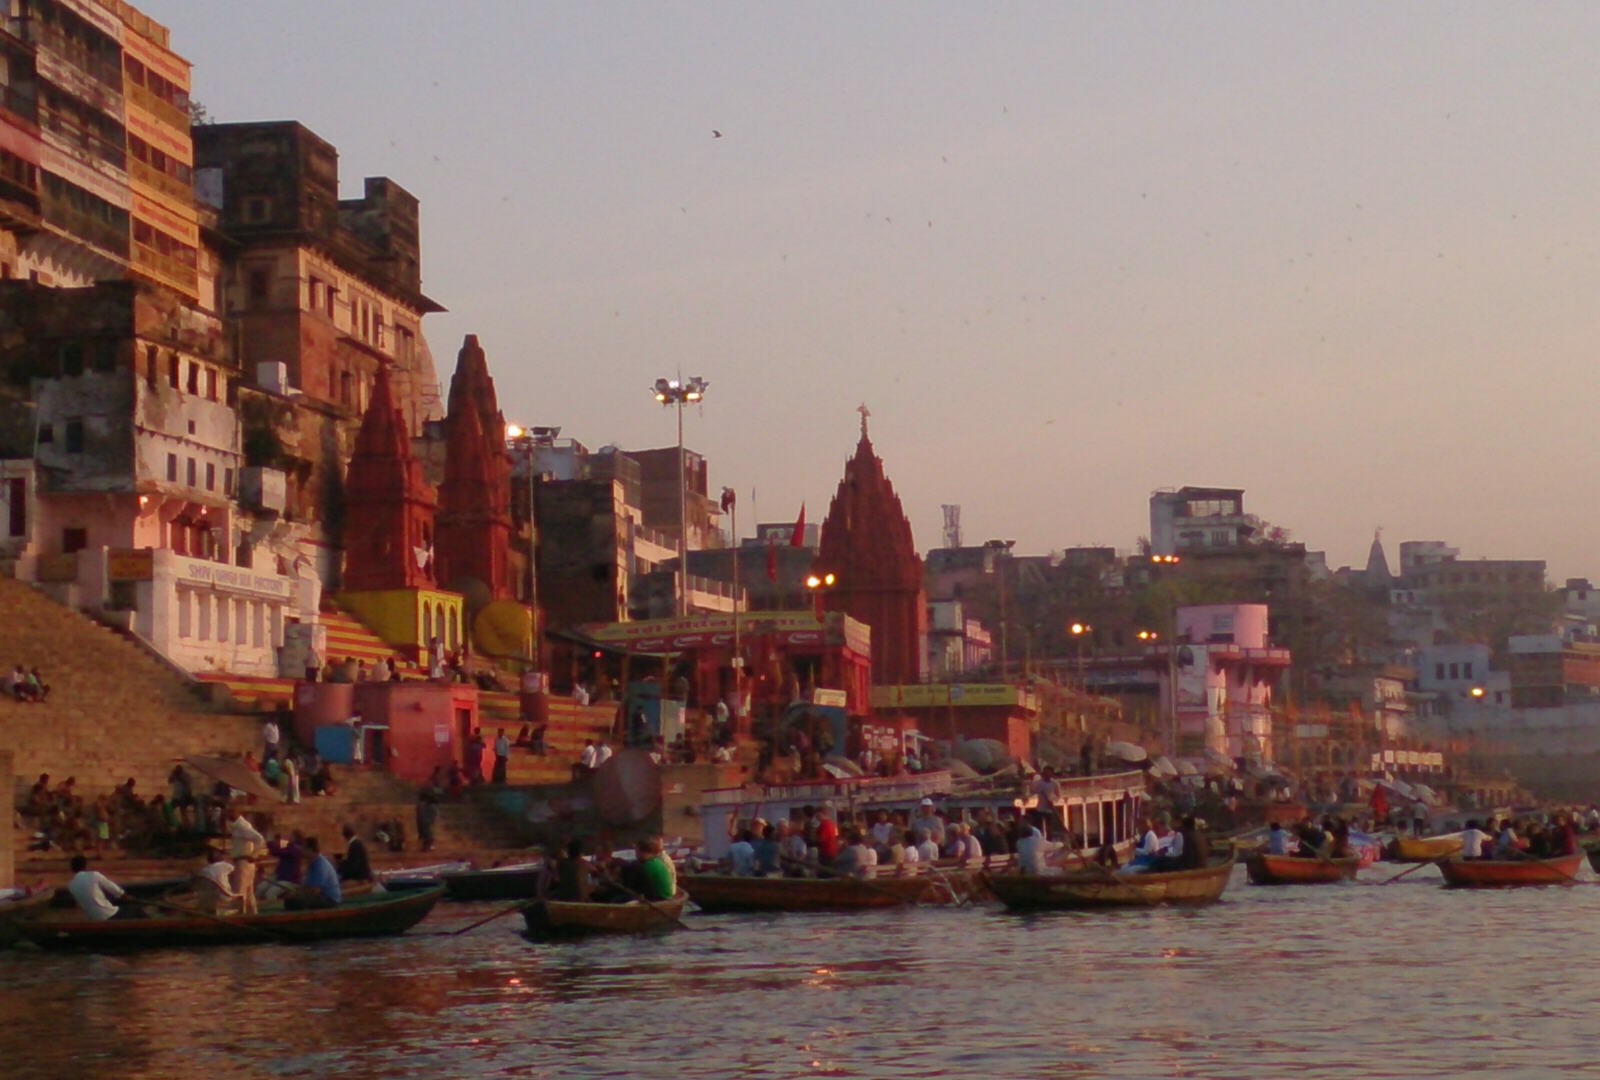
{"x": 1344, "y": 981}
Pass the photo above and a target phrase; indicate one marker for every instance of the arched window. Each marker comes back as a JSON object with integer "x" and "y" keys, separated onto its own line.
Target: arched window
{"x": 427, "y": 624}
{"x": 454, "y": 636}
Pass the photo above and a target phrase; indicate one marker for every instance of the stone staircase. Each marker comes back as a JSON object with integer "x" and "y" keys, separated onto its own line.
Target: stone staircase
{"x": 114, "y": 710}
{"x": 570, "y": 726}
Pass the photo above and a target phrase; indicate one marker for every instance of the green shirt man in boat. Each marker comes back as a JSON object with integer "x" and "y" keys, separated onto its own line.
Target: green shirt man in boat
{"x": 657, "y": 878}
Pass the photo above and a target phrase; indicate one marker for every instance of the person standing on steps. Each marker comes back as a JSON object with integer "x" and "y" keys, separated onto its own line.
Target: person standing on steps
{"x": 428, "y": 811}
{"x": 355, "y": 865}
{"x": 502, "y": 755}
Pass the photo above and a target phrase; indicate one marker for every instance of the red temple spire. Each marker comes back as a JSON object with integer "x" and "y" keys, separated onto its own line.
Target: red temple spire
{"x": 867, "y": 544}
{"x": 388, "y": 527}
{"x": 474, "y": 499}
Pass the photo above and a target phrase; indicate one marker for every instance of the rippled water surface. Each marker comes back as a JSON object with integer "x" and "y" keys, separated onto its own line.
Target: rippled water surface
{"x": 1333, "y": 981}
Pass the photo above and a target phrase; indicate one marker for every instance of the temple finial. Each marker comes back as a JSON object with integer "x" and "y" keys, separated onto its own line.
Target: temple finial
{"x": 865, "y": 412}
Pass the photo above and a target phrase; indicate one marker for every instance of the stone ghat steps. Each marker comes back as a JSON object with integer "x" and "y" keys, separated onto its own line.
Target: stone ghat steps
{"x": 348, "y": 636}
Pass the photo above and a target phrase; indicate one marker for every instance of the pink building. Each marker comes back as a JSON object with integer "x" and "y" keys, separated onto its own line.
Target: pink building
{"x": 1225, "y": 670}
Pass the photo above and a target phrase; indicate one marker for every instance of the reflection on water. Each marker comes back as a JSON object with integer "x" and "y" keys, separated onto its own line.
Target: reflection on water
{"x": 1337, "y": 981}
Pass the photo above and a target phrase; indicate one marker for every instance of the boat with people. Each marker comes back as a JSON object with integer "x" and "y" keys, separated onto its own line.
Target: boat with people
{"x": 1096, "y": 886}
{"x": 717, "y": 894}
{"x": 554, "y": 919}
{"x": 1510, "y": 873}
{"x": 1267, "y": 869}
{"x": 519, "y": 881}
{"x": 376, "y": 914}
{"x": 1413, "y": 849}
{"x": 398, "y": 878}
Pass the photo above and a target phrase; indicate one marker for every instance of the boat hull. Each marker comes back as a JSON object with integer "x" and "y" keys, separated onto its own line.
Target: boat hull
{"x": 1094, "y": 888}
{"x": 1424, "y": 849}
{"x": 719, "y": 893}
{"x": 1594, "y": 859}
{"x": 514, "y": 883}
{"x": 1510, "y": 873}
{"x": 375, "y": 915}
{"x": 1265, "y": 869}
{"x": 567, "y": 919}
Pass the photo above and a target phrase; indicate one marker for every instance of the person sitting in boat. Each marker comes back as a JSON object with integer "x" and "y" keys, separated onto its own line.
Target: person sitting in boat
{"x": 354, "y": 865}
{"x": 650, "y": 875}
{"x": 828, "y": 842}
{"x": 1475, "y": 842}
{"x": 1196, "y": 849}
{"x": 856, "y": 858}
{"x": 572, "y": 879}
{"x": 768, "y": 849}
{"x": 1312, "y": 839}
{"x": 929, "y": 822}
{"x": 1563, "y": 838}
{"x": 1031, "y": 849}
{"x": 1339, "y": 829}
{"x": 95, "y": 893}
{"x": 742, "y": 854}
{"x": 793, "y": 851}
{"x": 991, "y": 834}
{"x": 214, "y": 884}
{"x": 1277, "y": 840}
{"x": 1508, "y": 845}
{"x": 927, "y": 850}
{"x": 321, "y": 886}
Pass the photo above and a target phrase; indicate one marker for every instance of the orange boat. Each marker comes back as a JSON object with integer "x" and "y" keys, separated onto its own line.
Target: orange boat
{"x": 1506, "y": 873}
{"x": 1267, "y": 869}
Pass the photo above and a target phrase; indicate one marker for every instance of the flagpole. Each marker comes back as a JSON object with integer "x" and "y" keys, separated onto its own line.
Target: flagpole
{"x": 738, "y": 656}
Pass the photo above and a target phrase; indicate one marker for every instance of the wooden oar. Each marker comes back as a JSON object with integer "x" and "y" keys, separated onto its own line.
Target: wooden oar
{"x": 1411, "y": 870}
{"x": 518, "y": 906}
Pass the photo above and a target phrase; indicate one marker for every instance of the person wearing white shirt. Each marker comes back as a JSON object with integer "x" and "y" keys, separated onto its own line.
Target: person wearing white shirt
{"x": 929, "y": 822}
{"x": 269, "y": 738}
{"x": 883, "y": 830}
{"x": 580, "y": 694}
{"x": 974, "y": 848}
{"x": 586, "y": 759}
{"x": 909, "y": 855}
{"x": 602, "y": 753}
{"x": 927, "y": 850}
{"x": 1030, "y": 851}
{"x": 215, "y": 892}
{"x": 245, "y": 842}
{"x": 93, "y": 891}
{"x": 1472, "y": 841}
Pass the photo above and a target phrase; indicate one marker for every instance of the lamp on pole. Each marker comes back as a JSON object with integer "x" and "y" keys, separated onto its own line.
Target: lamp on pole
{"x": 679, "y": 392}
{"x": 993, "y": 549}
{"x": 817, "y": 583}
{"x": 527, "y": 441}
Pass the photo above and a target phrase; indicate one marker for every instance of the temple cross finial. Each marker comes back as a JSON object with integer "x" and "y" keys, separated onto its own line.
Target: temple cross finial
{"x": 865, "y": 412}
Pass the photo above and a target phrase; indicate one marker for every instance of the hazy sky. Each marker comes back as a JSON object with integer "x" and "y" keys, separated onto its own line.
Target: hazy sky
{"x": 1341, "y": 255}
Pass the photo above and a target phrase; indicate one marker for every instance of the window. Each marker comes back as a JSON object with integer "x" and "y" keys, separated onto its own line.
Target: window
{"x": 194, "y": 377}
{"x": 74, "y": 540}
{"x": 172, "y": 467}
{"x": 344, "y": 388}
{"x": 72, "y": 359}
{"x": 257, "y": 209}
{"x": 205, "y": 616}
{"x": 227, "y": 489}
{"x": 1438, "y": 672}
{"x": 47, "y": 433}
{"x": 105, "y": 355}
{"x": 211, "y": 383}
{"x": 211, "y": 477}
{"x": 172, "y": 369}
{"x": 191, "y": 473}
{"x": 185, "y": 611}
{"x": 222, "y": 618}
{"x": 1454, "y": 668}
{"x": 75, "y": 436}
{"x": 17, "y": 498}
{"x": 151, "y": 366}
{"x": 258, "y": 285}
{"x": 243, "y": 554}
{"x": 1466, "y": 670}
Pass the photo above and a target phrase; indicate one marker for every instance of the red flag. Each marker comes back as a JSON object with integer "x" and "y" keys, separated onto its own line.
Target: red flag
{"x": 727, "y": 499}
{"x": 772, "y": 559}
{"x": 798, "y": 537}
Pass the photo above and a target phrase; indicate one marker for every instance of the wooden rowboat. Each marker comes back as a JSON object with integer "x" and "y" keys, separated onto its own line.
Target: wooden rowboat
{"x": 1267, "y": 869}
{"x": 1425, "y": 848}
{"x": 717, "y": 893}
{"x": 519, "y": 882}
{"x": 1508, "y": 873}
{"x": 1096, "y": 887}
{"x": 14, "y": 912}
{"x": 373, "y": 915}
{"x": 565, "y": 918}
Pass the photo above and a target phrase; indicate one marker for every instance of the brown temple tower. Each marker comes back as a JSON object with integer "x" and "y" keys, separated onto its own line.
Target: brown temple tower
{"x": 474, "y": 499}
{"x": 866, "y": 542}
{"x": 388, "y": 539}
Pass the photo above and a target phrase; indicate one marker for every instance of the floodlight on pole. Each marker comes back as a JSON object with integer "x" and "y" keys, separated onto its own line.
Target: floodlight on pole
{"x": 678, "y": 392}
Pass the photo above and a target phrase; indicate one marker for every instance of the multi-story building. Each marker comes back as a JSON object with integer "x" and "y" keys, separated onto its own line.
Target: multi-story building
{"x": 321, "y": 292}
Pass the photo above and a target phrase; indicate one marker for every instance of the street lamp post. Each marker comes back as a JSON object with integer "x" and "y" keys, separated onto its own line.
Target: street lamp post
{"x": 679, "y": 392}
{"x": 817, "y": 583}
{"x": 528, "y": 441}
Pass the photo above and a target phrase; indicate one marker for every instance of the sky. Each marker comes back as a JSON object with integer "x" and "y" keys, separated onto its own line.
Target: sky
{"x": 1342, "y": 256}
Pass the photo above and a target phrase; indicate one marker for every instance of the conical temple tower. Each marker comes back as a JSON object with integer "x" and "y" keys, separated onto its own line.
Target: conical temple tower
{"x": 867, "y": 545}
{"x": 474, "y": 510}
{"x": 389, "y": 507}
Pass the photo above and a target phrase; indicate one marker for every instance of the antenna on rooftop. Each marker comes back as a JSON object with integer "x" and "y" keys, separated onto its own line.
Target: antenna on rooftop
{"x": 952, "y": 525}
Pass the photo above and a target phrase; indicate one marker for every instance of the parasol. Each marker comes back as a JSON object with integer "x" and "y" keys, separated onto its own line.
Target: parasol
{"x": 1127, "y": 751}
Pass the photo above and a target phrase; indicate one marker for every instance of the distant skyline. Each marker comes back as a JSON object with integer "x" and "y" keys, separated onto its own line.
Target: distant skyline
{"x": 1344, "y": 257}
